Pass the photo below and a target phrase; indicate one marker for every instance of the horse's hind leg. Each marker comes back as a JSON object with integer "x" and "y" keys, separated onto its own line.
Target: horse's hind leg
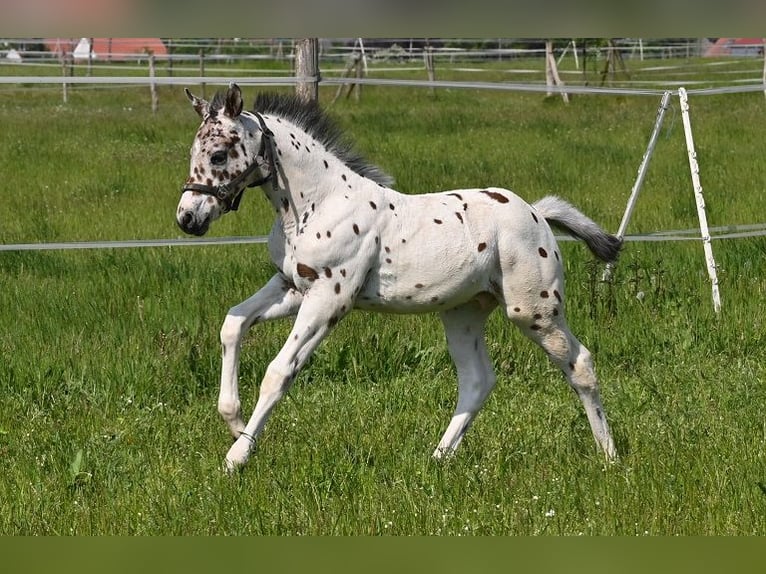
{"x": 550, "y": 331}
{"x": 464, "y": 327}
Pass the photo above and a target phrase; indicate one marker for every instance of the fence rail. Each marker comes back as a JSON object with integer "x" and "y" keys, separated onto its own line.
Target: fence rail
{"x": 716, "y": 233}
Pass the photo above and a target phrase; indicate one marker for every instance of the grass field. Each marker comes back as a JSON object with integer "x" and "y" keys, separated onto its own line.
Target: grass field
{"x": 109, "y": 358}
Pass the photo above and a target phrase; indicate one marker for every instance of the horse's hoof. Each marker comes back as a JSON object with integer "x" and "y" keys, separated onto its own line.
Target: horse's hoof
{"x": 238, "y": 453}
{"x": 230, "y": 467}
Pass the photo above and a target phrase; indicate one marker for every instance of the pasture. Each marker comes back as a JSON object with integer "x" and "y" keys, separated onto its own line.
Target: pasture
{"x": 109, "y": 358}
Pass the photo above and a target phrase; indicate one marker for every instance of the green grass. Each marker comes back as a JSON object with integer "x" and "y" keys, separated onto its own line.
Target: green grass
{"x": 109, "y": 359}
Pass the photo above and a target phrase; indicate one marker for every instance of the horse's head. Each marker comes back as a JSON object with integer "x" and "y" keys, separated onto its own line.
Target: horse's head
{"x": 227, "y": 155}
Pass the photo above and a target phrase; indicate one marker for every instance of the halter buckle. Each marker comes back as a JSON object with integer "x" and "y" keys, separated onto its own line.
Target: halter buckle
{"x": 223, "y": 191}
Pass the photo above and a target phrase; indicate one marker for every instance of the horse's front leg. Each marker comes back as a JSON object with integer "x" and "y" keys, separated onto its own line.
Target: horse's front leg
{"x": 277, "y": 299}
{"x": 321, "y": 309}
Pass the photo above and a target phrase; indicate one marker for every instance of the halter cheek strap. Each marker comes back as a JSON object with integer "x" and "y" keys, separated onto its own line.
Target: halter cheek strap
{"x": 230, "y": 193}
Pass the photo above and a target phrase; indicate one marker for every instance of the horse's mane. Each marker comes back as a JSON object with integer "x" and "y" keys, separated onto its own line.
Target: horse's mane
{"x": 315, "y": 121}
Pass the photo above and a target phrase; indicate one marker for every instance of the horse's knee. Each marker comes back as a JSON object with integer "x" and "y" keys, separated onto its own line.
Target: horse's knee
{"x": 232, "y": 330}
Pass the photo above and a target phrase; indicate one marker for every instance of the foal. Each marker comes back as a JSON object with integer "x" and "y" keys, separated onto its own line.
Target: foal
{"x": 342, "y": 239}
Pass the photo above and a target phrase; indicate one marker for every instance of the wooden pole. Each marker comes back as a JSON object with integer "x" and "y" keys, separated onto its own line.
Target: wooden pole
{"x": 170, "y": 57}
{"x": 352, "y": 62}
{"x": 307, "y": 69}
{"x": 152, "y": 83}
{"x": 642, "y": 169}
{"x": 90, "y": 57}
{"x": 64, "y": 83}
{"x": 428, "y": 58}
{"x": 359, "y": 70}
{"x": 202, "y": 71}
{"x": 764, "y": 64}
{"x": 700, "y": 200}
{"x": 552, "y": 77}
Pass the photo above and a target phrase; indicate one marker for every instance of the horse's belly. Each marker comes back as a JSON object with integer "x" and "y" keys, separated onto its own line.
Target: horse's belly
{"x": 427, "y": 294}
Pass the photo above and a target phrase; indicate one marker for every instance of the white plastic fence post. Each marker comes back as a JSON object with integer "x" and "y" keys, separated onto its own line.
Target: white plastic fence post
{"x": 640, "y": 177}
{"x": 700, "y": 200}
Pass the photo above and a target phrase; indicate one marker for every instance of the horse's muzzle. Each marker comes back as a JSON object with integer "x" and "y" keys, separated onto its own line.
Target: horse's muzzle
{"x": 189, "y": 224}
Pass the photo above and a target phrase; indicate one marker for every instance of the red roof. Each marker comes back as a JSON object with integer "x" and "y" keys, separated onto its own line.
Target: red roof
{"x": 110, "y": 48}
{"x": 729, "y": 46}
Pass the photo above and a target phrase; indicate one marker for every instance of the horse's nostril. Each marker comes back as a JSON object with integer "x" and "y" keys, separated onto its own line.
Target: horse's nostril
{"x": 186, "y": 220}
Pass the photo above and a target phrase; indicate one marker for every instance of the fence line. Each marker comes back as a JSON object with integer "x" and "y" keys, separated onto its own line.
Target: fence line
{"x": 757, "y": 86}
{"x": 730, "y": 232}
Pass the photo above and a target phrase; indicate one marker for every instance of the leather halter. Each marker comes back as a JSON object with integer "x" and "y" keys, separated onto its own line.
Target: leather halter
{"x": 230, "y": 193}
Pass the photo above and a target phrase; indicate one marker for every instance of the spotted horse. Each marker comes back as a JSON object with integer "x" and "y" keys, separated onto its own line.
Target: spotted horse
{"x": 343, "y": 239}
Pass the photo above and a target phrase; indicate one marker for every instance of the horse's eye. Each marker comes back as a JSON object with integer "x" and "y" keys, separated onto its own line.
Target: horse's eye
{"x": 218, "y": 158}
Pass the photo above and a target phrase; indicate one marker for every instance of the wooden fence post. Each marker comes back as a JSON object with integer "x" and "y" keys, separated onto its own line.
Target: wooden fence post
{"x": 202, "y": 71}
{"x": 428, "y": 58}
{"x": 152, "y": 83}
{"x": 552, "y": 77}
{"x": 90, "y": 57}
{"x": 307, "y": 69}
{"x": 65, "y": 71}
{"x": 170, "y": 57}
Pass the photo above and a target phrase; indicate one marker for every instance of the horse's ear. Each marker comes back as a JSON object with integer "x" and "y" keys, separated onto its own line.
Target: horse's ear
{"x": 233, "y": 106}
{"x": 200, "y": 105}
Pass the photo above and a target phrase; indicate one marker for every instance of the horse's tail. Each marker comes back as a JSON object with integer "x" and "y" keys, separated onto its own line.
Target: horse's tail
{"x": 561, "y": 214}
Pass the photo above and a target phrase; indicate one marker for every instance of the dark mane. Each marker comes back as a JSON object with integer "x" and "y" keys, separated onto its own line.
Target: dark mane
{"x": 314, "y": 121}
{"x": 218, "y": 101}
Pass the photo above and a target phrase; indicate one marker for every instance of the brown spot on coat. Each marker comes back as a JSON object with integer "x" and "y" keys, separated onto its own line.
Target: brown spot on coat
{"x": 337, "y": 288}
{"x": 534, "y": 217}
{"x": 482, "y": 246}
{"x": 418, "y": 285}
{"x": 544, "y": 294}
{"x": 499, "y": 197}
{"x": 438, "y": 221}
{"x": 557, "y": 295}
{"x": 459, "y": 216}
{"x": 372, "y": 204}
{"x": 307, "y": 272}
{"x": 328, "y": 272}
{"x": 542, "y": 252}
{"x": 356, "y": 229}
{"x": 460, "y": 197}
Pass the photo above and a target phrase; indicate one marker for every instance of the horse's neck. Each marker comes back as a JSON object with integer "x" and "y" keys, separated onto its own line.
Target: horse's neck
{"x": 302, "y": 180}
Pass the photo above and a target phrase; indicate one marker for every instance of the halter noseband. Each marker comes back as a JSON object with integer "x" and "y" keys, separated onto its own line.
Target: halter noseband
{"x": 230, "y": 193}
